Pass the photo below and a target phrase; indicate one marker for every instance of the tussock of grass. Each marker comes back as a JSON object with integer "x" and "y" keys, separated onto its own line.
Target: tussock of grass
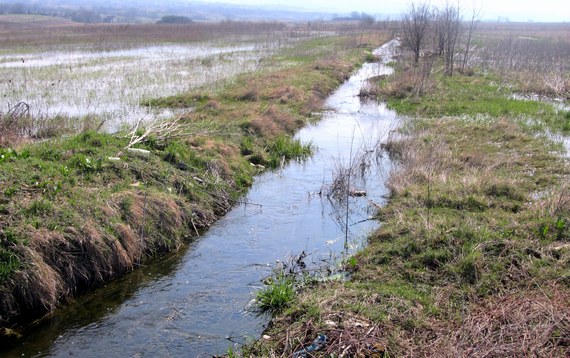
{"x": 517, "y": 324}
{"x": 277, "y": 294}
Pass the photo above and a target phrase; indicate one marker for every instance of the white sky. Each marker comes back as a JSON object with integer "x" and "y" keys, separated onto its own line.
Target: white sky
{"x": 514, "y": 10}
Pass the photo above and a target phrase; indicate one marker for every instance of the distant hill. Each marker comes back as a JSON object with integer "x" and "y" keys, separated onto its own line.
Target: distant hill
{"x": 25, "y": 20}
{"x": 141, "y": 11}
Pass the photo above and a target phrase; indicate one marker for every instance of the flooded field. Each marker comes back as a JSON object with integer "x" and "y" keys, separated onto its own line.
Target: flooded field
{"x": 110, "y": 85}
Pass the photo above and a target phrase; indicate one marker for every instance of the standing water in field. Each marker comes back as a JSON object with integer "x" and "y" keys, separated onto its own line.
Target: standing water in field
{"x": 194, "y": 303}
{"x": 109, "y": 86}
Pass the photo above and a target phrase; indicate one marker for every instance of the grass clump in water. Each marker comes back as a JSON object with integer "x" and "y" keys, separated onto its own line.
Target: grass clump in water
{"x": 277, "y": 294}
{"x": 283, "y": 149}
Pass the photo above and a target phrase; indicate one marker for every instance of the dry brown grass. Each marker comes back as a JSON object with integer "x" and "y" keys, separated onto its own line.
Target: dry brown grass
{"x": 412, "y": 81}
{"x": 371, "y": 88}
{"x": 60, "y": 264}
{"x": 273, "y": 122}
{"x": 535, "y": 323}
{"x": 286, "y": 94}
{"x": 554, "y": 202}
{"x": 526, "y": 29}
{"x": 348, "y": 334}
{"x": 532, "y": 57}
{"x": 425, "y": 156}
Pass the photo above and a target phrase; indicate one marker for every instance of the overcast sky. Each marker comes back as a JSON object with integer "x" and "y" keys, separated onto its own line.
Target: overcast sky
{"x": 514, "y": 10}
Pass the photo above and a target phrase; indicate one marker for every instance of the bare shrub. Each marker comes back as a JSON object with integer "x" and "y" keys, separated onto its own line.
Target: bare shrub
{"x": 411, "y": 82}
{"x": 476, "y": 14}
{"x": 451, "y": 19}
{"x": 18, "y": 125}
{"x": 536, "y": 65}
{"x": 348, "y": 177}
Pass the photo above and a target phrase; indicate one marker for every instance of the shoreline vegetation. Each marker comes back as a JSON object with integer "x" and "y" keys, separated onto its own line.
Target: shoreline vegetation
{"x": 473, "y": 254}
{"x": 78, "y": 210}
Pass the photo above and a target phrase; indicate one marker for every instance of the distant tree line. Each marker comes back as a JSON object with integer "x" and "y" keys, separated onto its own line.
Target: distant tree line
{"x": 173, "y": 19}
{"x": 362, "y": 17}
{"x": 136, "y": 11}
{"x": 78, "y": 14}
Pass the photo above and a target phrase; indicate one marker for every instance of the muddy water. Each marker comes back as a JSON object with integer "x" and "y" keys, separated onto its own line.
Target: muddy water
{"x": 194, "y": 303}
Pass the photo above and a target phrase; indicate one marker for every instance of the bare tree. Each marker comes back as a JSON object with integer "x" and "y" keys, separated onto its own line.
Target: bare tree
{"x": 450, "y": 15}
{"x": 438, "y": 32}
{"x": 476, "y": 14}
{"x": 414, "y": 26}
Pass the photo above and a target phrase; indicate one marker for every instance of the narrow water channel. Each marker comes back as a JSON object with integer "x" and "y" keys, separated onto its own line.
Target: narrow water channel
{"x": 194, "y": 303}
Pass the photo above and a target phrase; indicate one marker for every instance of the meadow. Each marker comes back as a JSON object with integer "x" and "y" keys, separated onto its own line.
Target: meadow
{"x": 95, "y": 183}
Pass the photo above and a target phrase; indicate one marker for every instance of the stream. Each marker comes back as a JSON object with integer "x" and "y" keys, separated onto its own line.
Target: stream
{"x": 196, "y": 302}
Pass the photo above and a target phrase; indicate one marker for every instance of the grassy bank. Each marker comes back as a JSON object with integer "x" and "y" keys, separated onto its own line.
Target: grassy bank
{"x": 475, "y": 95}
{"x": 473, "y": 255}
{"x": 79, "y": 210}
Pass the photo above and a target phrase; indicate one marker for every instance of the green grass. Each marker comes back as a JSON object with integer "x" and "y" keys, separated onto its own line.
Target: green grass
{"x": 477, "y": 95}
{"x": 284, "y": 149}
{"x": 9, "y": 263}
{"x": 277, "y": 294}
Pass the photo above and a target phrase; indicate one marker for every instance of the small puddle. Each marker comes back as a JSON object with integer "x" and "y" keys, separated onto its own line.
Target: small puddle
{"x": 194, "y": 303}
{"x": 560, "y": 105}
